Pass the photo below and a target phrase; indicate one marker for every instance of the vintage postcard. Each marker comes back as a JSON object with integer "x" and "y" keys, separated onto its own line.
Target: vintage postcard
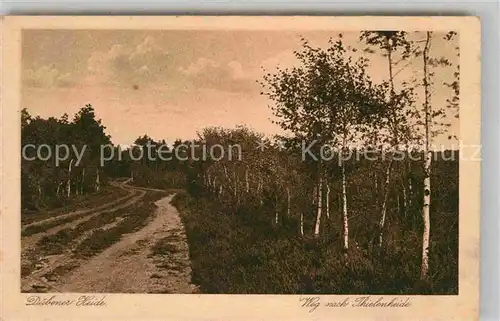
{"x": 240, "y": 168}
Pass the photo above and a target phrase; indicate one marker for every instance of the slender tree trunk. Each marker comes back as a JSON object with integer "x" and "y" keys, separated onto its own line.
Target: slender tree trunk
{"x": 427, "y": 167}
{"x": 59, "y": 188}
{"x": 235, "y": 191}
{"x": 327, "y": 201}
{"x": 69, "y": 177}
{"x": 97, "y": 181}
{"x": 301, "y": 223}
{"x": 384, "y": 202}
{"x": 410, "y": 192}
{"x": 408, "y": 181}
{"x": 288, "y": 201}
{"x": 395, "y": 139}
{"x": 405, "y": 201}
{"x": 398, "y": 200}
{"x": 259, "y": 189}
{"x": 344, "y": 209}
{"x": 318, "y": 206}
{"x": 83, "y": 181}
{"x": 247, "y": 182}
{"x": 276, "y": 212}
{"x": 39, "y": 189}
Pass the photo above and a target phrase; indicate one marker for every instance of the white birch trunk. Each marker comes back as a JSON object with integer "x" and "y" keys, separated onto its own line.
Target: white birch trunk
{"x": 83, "y": 181}
{"x": 319, "y": 209}
{"x": 301, "y": 224}
{"x": 384, "y": 204}
{"x": 59, "y": 188}
{"x": 344, "y": 209}
{"x": 328, "y": 201}
{"x": 410, "y": 193}
{"x": 426, "y": 217}
{"x": 39, "y": 189}
{"x": 247, "y": 182}
{"x": 235, "y": 191}
{"x": 69, "y": 177}
{"x": 427, "y": 169}
{"x": 405, "y": 201}
{"x": 395, "y": 138}
{"x": 97, "y": 182}
{"x": 276, "y": 217}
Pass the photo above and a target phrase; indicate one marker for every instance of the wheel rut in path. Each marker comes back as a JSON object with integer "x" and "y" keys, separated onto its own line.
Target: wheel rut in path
{"x": 154, "y": 259}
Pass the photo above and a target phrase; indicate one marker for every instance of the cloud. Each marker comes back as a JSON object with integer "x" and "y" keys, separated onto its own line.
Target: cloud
{"x": 47, "y": 77}
{"x": 225, "y": 76}
{"x": 283, "y": 59}
{"x": 139, "y": 65}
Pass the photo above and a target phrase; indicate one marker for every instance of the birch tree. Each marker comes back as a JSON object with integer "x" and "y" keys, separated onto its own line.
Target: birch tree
{"x": 394, "y": 45}
{"x": 325, "y": 100}
{"x": 434, "y": 122}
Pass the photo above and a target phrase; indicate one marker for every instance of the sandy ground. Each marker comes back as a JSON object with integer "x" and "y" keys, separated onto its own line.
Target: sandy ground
{"x": 129, "y": 266}
{"x": 28, "y": 242}
{"x": 100, "y": 208}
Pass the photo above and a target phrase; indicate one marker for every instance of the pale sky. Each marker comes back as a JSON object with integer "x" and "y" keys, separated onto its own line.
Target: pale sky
{"x": 172, "y": 84}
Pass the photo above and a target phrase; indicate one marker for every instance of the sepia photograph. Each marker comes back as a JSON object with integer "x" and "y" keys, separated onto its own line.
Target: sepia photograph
{"x": 299, "y": 161}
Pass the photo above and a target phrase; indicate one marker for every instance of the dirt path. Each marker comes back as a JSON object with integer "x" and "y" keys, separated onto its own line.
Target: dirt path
{"x": 154, "y": 259}
{"x": 28, "y": 242}
{"x": 131, "y": 192}
{"x": 30, "y": 256}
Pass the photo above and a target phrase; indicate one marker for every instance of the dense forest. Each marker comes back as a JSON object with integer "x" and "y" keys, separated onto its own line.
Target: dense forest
{"x": 353, "y": 214}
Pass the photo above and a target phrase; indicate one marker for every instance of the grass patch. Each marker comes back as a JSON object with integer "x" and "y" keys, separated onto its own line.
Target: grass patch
{"x": 106, "y": 195}
{"x": 136, "y": 217}
{"x": 164, "y": 247}
{"x": 171, "y": 266}
{"x": 61, "y": 270}
{"x": 27, "y": 269}
{"x": 237, "y": 250}
{"x": 39, "y": 228}
{"x": 55, "y": 243}
{"x": 58, "y": 242}
{"x": 156, "y": 276}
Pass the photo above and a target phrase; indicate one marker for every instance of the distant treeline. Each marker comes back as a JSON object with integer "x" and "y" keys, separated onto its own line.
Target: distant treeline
{"x": 48, "y": 182}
